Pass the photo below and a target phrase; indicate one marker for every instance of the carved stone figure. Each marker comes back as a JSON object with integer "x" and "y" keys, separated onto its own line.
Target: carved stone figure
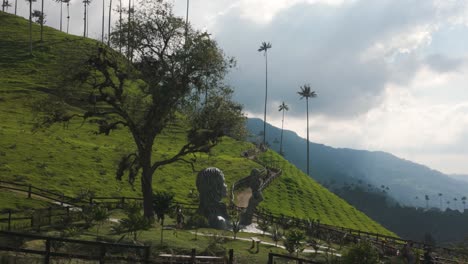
{"x": 212, "y": 189}
{"x": 255, "y": 183}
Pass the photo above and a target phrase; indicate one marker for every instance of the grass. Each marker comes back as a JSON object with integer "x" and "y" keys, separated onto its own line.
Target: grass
{"x": 74, "y": 159}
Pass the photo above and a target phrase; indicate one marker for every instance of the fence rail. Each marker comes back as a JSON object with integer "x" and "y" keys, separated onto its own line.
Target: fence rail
{"x": 103, "y": 252}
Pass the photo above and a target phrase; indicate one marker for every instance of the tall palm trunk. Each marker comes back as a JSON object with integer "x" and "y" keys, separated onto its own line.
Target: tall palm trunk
{"x": 61, "y": 14}
{"x": 120, "y": 26}
{"x": 68, "y": 15}
{"x": 84, "y": 20}
{"x": 42, "y": 19}
{"x": 103, "y": 20}
{"x": 128, "y": 29}
{"x": 308, "y": 153}
{"x": 266, "y": 97}
{"x": 16, "y": 6}
{"x": 281, "y": 139}
{"x": 109, "y": 25}
{"x": 30, "y": 27}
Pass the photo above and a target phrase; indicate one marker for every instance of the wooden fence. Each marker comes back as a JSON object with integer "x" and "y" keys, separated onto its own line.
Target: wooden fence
{"x": 272, "y": 257}
{"x": 37, "y": 218}
{"x": 54, "y": 248}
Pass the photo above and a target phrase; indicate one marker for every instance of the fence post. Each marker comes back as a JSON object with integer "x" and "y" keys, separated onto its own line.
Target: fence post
{"x": 193, "y": 260}
{"x": 61, "y": 199}
{"x": 9, "y": 220}
{"x": 231, "y": 256}
{"x": 270, "y": 258}
{"x": 122, "y": 202}
{"x": 32, "y": 221}
{"x": 50, "y": 215}
{"x": 102, "y": 254}
{"x": 29, "y": 190}
{"x": 47, "y": 253}
{"x": 147, "y": 255}
{"x": 68, "y": 211}
{"x": 90, "y": 200}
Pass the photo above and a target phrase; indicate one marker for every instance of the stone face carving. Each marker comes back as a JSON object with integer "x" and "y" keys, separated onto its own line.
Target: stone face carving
{"x": 212, "y": 189}
{"x": 255, "y": 183}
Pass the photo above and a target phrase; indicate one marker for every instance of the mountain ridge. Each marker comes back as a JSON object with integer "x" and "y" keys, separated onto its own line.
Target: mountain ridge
{"x": 339, "y": 166}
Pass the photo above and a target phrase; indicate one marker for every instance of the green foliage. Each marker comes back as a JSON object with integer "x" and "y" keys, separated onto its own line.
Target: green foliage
{"x": 134, "y": 222}
{"x": 293, "y": 241}
{"x": 276, "y": 234}
{"x": 162, "y": 204}
{"x": 263, "y": 225}
{"x": 69, "y": 151}
{"x": 361, "y": 253}
{"x": 234, "y": 218}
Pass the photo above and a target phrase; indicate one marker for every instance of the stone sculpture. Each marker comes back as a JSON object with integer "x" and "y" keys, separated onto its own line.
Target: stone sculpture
{"x": 255, "y": 184}
{"x": 212, "y": 189}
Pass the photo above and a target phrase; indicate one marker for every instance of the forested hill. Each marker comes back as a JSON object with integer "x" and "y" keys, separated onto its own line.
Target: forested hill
{"x": 74, "y": 160}
{"x": 407, "y": 182}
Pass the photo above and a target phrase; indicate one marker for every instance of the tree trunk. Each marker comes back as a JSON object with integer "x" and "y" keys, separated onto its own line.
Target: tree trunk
{"x": 61, "y": 9}
{"x": 103, "y": 19}
{"x": 109, "y": 25}
{"x": 42, "y": 19}
{"x": 147, "y": 180}
{"x": 307, "y": 103}
{"x": 84, "y": 21}
{"x": 68, "y": 15}
{"x": 30, "y": 27}
{"x": 281, "y": 140}
{"x": 266, "y": 96}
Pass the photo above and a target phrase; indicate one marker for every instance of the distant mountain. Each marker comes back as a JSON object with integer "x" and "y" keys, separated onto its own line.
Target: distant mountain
{"x": 405, "y": 181}
{"x": 460, "y": 177}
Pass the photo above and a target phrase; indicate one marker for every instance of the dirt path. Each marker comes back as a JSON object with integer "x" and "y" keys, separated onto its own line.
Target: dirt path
{"x": 242, "y": 197}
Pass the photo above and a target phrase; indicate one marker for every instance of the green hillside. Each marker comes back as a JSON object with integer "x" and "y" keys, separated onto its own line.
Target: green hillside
{"x": 74, "y": 159}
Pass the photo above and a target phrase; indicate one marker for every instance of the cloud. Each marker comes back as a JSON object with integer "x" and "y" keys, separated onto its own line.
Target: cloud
{"x": 348, "y": 52}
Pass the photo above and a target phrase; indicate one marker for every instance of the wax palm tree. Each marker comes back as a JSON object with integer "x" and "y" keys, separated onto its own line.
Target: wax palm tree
{"x": 85, "y": 18}
{"x": 103, "y": 19}
{"x": 426, "y": 197}
{"x": 282, "y": 108}
{"x": 463, "y": 199}
{"x": 5, "y": 5}
{"x": 16, "y": 6}
{"x": 440, "y": 199}
{"x": 40, "y": 18}
{"x": 109, "y": 24}
{"x": 265, "y": 46}
{"x": 68, "y": 13}
{"x": 61, "y": 11}
{"x": 306, "y": 93}
{"x": 455, "y": 200}
{"x": 30, "y": 25}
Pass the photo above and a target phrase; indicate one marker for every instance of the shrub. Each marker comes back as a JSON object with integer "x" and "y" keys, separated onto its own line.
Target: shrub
{"x": 361, "y": 253}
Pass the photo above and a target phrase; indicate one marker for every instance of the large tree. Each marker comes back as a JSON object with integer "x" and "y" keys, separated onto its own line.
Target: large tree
{"x": 282, "y": 108}
{"x": 144, "y": 96}
{"x": 264, "y": 48}
{"x": 306, "y": 92}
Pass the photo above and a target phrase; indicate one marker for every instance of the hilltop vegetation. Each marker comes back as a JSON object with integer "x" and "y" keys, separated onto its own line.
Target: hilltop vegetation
{"x": 73, "y": 159}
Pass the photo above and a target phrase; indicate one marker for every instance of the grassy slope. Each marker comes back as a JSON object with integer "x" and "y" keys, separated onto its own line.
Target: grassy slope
{"x": 76, "y": 159}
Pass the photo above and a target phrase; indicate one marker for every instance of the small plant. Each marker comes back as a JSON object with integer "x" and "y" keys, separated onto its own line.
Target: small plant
{"x": 263, "y": 225}
{"x": 293, "y": 241}
{"x": 162, "y": 205}
{"x": 276, "y": 235}
{"x": 361, "y": 253}
{"x": 235, "y": 222}
{"x": 134, "y": 223}
{"x": 196, "y": 221}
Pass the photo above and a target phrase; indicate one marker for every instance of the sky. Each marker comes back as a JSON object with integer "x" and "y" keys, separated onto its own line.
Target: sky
{"x": 390, "y": 75}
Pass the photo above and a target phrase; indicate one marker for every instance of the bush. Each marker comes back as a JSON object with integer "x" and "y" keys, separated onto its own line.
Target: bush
{"x": 361, "y": 253}
{"x": 293, "y": 240}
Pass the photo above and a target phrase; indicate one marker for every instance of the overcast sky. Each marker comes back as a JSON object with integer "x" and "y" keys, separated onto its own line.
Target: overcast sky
{"x": 390, "y": 75}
